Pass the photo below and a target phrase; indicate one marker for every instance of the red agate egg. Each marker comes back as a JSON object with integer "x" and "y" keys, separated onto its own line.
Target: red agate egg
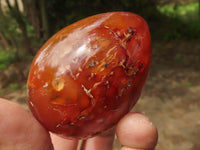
{"x": 90, "y": 74}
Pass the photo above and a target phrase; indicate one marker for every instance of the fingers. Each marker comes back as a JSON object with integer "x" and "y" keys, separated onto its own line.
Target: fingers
{"x": 100, "y": 142}
{"x": 136, "y": 132}
{"x": 19, "y": 130}
{"x": 63, "y": 144}
{"x": 128, "y": 148}
{"x": 103, "y": 141}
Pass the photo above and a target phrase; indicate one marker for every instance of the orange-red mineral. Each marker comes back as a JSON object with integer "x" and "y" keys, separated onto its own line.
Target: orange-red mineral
{"x": 90, "y": 74}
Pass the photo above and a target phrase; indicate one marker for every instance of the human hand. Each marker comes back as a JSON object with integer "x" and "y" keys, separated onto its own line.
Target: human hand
{"x": 19, "y": 130}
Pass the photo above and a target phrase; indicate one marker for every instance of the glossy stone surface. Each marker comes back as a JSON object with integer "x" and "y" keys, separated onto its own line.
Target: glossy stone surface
{"x": 90, "y": 74}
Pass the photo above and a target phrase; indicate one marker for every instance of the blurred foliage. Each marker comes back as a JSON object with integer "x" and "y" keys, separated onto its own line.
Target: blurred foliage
{"x": 14, "y": 86}
{"x": 184, "y": 21}
{"x": 184, "y": 12}
{"x": 175, "y": 20}
{"x": 189, "y": 84}
{"x": 12, "y": 24}
{"x": 25, "y": 31}
{"x": 24, "y": 87}
{"x": 6, "y": 58}
{"x": 72, "y": 11}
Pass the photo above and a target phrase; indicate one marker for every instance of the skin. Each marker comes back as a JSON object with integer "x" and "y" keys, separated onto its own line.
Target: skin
{"x": 19, "y": 130}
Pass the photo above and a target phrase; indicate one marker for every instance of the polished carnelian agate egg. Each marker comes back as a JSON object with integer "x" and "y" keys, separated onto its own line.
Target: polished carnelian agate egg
{"x": 90, "y": 74}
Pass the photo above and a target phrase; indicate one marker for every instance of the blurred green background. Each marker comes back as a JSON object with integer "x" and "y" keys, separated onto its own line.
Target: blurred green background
{"x": 171, "y": 97}
{"x": 26, "y": 24}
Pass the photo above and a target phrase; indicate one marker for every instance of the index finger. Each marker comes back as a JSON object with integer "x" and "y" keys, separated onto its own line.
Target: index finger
{"x": 136, "y": 131}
